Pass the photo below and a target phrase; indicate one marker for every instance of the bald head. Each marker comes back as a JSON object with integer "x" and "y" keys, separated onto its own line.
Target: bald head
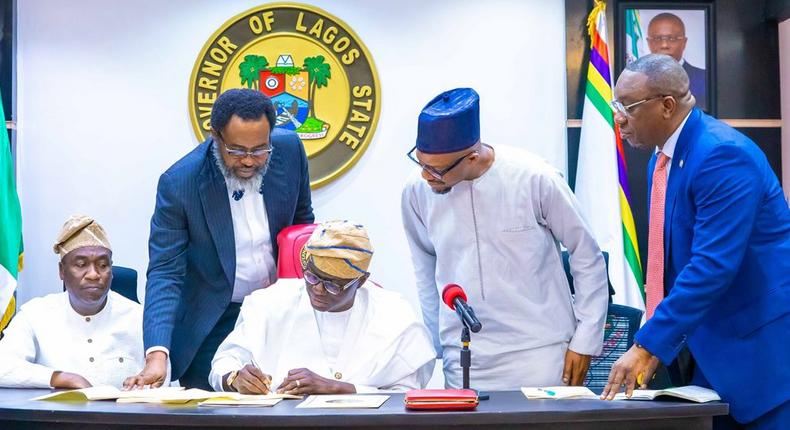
{"x": 654, "y": 97}
{"x": 664, "y": 74}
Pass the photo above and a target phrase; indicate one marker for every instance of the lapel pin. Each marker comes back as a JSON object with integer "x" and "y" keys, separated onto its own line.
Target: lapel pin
{"x": 681, "y": 164}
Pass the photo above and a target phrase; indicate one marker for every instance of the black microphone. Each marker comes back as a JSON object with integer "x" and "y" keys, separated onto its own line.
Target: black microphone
{"x": 455, "y": 297}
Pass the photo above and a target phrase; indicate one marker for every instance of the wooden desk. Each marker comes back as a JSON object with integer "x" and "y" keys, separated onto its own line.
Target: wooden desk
{"x": 505, "y": 410}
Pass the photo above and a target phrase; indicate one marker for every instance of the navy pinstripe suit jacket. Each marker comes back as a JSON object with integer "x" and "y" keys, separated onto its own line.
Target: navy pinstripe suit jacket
{"x": 192, "y": 253}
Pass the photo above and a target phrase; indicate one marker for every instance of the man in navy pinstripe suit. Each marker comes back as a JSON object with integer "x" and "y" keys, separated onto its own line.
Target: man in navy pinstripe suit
{"x": 213, "y": 234}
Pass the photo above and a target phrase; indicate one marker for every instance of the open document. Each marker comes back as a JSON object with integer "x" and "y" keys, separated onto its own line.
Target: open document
{"x": 690, "y": 392}
{"x": 558, "y": 393}
{"x": 105, "y": 392}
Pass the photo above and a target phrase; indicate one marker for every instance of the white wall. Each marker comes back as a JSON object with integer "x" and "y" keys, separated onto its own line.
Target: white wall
{"x": 784, "y": 81}
{"x": 102, "y": 108}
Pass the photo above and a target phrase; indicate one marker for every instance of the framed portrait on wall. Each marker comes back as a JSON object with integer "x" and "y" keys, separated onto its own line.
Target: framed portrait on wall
{"x": 683, "y": 30}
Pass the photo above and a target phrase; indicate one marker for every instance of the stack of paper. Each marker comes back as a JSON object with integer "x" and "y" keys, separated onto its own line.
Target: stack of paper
{"x": 343, "y": 401}
{"x": 236, "y": 399}
{"x": 178, "y": 397}
{"x": 104, "y": 392}
{"x": 561, "y": 392}
{"x": 167, "y": 395}
{"x": 208, "y": 398}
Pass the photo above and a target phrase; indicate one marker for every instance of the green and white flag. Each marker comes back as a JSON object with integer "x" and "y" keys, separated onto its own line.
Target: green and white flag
{"x": 634, "y": 40}
{"x": 10, "y": 231}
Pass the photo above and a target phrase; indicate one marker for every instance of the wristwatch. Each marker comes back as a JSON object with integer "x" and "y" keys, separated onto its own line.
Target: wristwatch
{"x": 231, "y": 378}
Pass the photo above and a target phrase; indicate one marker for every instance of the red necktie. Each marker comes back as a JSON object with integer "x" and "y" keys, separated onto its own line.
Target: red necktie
{"x": 654, "y": 289}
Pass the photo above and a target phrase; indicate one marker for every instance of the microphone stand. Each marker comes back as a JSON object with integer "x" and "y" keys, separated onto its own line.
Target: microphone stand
{"x": 466, "y": 354}
{"x": 466, "y": 359}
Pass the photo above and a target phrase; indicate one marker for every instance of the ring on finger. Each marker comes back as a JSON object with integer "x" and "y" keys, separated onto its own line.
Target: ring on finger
{"x": 297, "y": 383}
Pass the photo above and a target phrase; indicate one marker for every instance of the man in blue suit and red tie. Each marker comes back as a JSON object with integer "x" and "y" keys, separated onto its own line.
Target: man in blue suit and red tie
{"x": 213, "y": 234}
{"x": 718, "y": 270}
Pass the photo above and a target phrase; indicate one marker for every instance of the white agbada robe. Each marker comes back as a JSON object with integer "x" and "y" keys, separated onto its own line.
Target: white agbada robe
{"x": 383, "y": 347}
{"x": 497, "y": 236}
{"x": 48, "y": 335}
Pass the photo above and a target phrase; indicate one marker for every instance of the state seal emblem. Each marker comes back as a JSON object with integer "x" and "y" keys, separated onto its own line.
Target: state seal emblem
{"x": 316, "y": 70}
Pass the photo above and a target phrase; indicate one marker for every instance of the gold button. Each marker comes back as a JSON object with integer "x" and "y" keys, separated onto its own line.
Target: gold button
{"x": 91, "y": 359}
{"x": 90, "y": 340}
{"x": 338, "y": 375}
{"x": 120, "y": 359}
{"x": 88, "y": 319}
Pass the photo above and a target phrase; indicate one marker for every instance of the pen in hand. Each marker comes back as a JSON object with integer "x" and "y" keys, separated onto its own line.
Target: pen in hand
{"x": 268, "y": 380}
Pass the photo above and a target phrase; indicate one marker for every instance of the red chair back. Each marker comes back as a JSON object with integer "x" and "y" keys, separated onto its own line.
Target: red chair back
{"x": 290, "y": 241}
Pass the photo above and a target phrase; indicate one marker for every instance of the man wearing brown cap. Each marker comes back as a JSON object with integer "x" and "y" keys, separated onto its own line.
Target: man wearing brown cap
{"x": 87, "y": 335}
{"x": 329, "y": 333}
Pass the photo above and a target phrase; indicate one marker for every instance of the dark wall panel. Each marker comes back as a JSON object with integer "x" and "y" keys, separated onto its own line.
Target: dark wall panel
{"x": 770, "y": 141}
{"x": 747, "y": 46}
{"x": 577, "y": 55}
{"x": 778, "y": 10}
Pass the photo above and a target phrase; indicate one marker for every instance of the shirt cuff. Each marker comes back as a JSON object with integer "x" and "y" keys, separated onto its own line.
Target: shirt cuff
{"x": 586, "y": 343}
{"x": 220, "y": 368}
{"x": 41, "y": 377}
{"x": 157, "y": 348}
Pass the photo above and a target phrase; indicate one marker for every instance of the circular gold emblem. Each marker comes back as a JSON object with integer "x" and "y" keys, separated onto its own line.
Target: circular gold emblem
{"x": 317, "y": 72}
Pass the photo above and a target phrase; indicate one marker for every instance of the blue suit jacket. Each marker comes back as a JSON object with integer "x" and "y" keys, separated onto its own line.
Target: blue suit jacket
{"x": 727, "y": 268}
{"x": 697, "y": 79}
{"x": 192, "y": 252}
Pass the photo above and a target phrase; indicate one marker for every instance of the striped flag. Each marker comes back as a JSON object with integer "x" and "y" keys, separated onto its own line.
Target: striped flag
{"x": 10, "y": 231}
{"x": 634, "y": 40}
{"x": 601, "y": 180}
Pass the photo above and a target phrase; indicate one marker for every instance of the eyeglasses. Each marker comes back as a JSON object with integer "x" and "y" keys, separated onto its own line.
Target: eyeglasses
{"x": 669, "y": 39}
{"x": 329, "y": 286}
{"x": 242, "y": 153}
{"x": 433, "y": 171}
{"x": 618, "y": 107}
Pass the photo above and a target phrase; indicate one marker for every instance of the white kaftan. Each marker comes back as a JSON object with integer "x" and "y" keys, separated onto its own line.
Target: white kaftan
{"x": 498, "y": 237}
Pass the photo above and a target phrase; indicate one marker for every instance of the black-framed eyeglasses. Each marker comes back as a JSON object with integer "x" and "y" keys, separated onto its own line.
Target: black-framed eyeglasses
{"x": 436, "y": 173}
{"x": 330, "y": 287}
{"x": 625, "y": 110}
{"x": 242, "y": 153}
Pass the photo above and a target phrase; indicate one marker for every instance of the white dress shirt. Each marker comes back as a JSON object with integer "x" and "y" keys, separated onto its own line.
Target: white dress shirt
{"x": 255, "y": 265}
{"x": 48, "y": 335}
{"x": 669, "y": 146}
{"x": 332, "y": 329}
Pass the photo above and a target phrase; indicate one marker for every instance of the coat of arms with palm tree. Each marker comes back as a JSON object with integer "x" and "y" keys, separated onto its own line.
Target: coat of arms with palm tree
{"x": 292, "y": 90}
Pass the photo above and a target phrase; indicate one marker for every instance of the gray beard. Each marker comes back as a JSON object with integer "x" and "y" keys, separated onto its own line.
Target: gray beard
{"x": 253, "y": 183}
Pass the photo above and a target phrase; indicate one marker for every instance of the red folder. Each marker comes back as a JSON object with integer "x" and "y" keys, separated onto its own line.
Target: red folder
{"x": 441, "y": 399}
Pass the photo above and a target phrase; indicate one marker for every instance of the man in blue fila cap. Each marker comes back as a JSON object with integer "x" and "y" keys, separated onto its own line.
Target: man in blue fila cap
{"x": 490, "y": 218}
